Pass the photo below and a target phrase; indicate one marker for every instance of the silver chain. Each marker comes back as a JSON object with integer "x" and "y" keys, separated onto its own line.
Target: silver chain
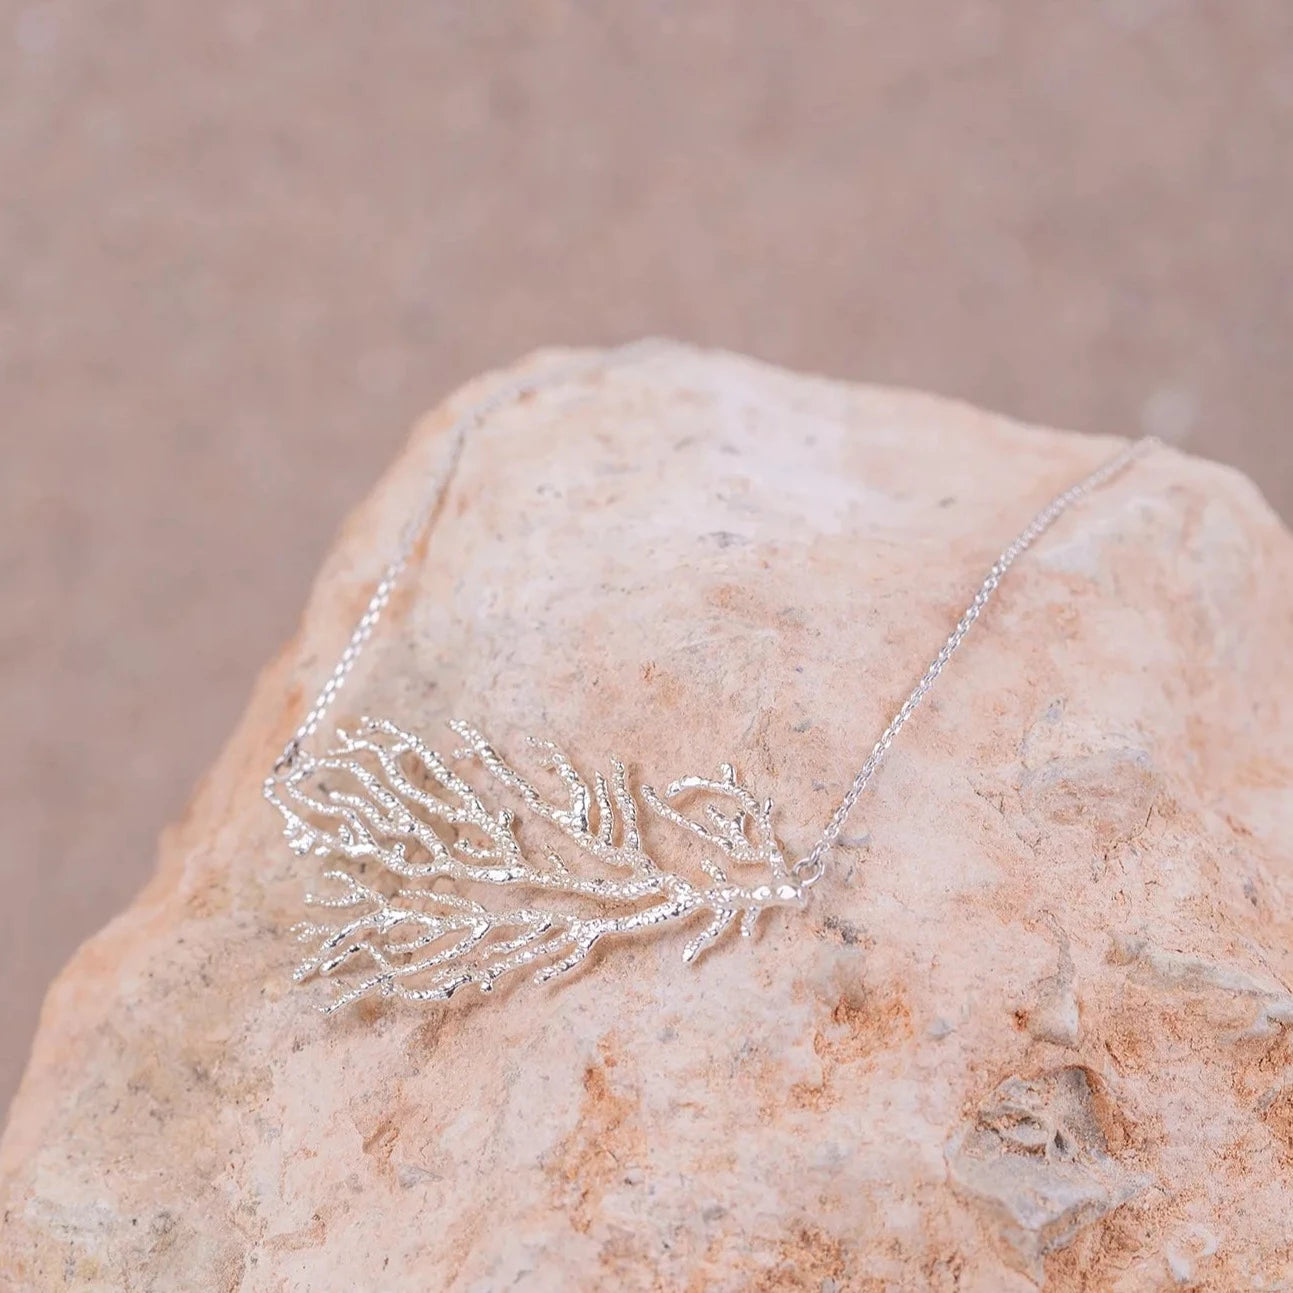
{"x": 467, "y": 423}
{"x": 810, "y": 868}
{"x": 812, "y": 865}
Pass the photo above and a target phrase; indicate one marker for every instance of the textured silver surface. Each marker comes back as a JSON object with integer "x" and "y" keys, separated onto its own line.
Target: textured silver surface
{"x": 383, "y": 800}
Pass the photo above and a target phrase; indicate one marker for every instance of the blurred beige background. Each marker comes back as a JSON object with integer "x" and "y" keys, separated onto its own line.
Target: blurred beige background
{"x": 243, "y": 245}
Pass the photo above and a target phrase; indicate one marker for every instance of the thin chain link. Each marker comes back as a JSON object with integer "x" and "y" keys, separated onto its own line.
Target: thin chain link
{"x": 810, "y": 868}
{"x": 468, "y": 422}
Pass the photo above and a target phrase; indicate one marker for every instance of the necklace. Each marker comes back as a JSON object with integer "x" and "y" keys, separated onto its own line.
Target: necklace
{"x": 436, "y": 914}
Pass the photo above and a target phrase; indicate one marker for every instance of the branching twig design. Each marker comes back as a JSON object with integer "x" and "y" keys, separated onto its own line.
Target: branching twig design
{"x": 382, "y": 796}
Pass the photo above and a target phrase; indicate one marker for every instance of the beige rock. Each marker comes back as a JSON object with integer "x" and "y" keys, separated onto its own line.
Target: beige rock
{"x": 1034, "y": 1025}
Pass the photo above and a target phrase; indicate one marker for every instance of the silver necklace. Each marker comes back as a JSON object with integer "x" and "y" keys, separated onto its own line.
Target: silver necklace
{"x": 437, "y": 912}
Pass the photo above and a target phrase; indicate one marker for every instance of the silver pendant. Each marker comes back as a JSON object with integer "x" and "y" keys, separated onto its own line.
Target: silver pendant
{"x": 425, "y": 872}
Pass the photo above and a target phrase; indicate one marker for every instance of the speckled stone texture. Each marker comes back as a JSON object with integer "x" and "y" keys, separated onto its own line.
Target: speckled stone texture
{"x": 1035, "y": 1025}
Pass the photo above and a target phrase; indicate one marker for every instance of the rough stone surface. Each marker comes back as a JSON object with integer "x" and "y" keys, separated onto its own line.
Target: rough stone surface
{"x": 1035, "y": 1025}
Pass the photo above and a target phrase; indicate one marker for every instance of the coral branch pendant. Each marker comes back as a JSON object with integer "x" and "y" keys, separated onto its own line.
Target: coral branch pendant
{"x": 432, "y": 890}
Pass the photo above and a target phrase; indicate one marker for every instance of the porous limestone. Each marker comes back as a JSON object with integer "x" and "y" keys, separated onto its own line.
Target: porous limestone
{"x": 1034, "y": 1026}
